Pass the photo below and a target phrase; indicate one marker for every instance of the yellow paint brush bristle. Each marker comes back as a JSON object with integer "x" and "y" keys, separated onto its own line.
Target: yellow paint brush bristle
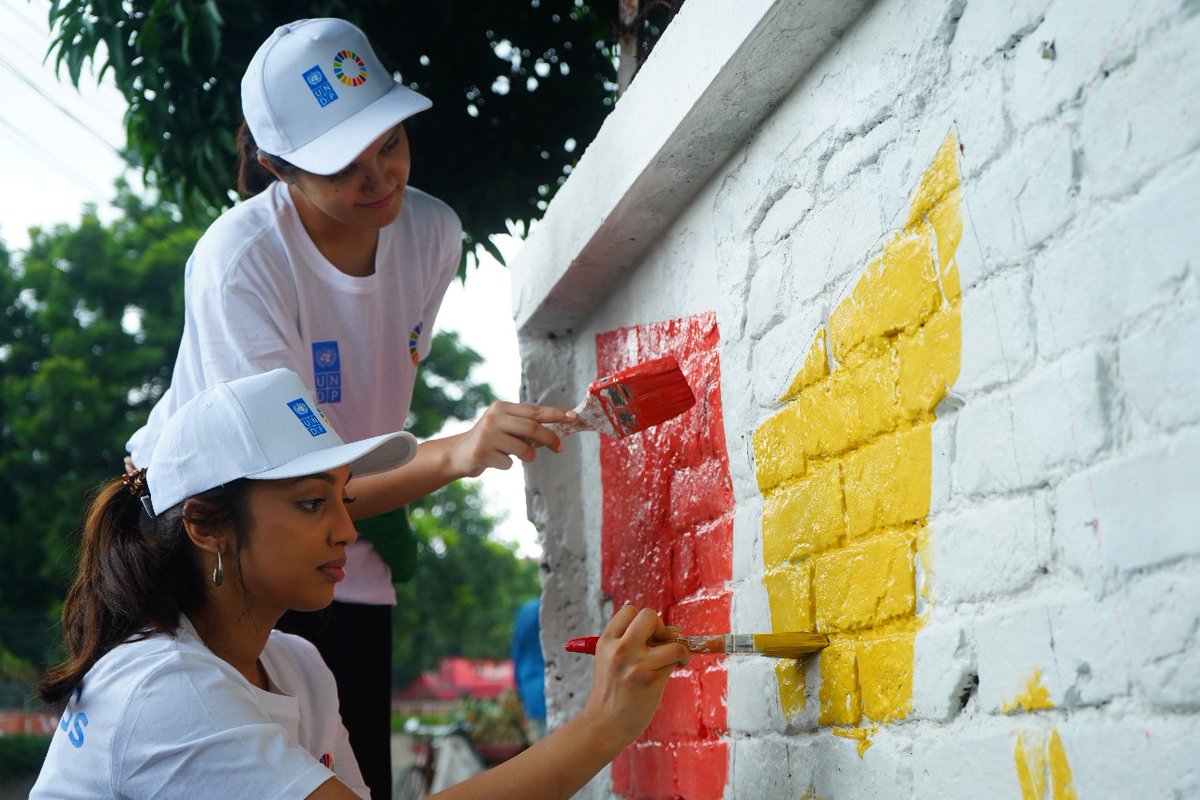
{"x": 789, "y": 645}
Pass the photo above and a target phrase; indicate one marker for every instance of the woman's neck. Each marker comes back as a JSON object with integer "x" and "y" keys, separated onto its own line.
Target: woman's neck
{"x": 350, "y": 248}
{"x": 236, "y": 637}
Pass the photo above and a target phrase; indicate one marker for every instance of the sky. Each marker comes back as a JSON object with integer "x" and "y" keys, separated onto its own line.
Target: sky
{"x": 60, "y": 152}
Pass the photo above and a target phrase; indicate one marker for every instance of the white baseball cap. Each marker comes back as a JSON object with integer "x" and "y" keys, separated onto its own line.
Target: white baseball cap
{"x": 262, "y": 427}
{"x": 316, "y": 95}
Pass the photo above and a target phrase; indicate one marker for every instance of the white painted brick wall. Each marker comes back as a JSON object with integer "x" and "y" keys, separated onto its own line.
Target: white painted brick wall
{"x": 998, "y": 334}
{"x": 990, "y": 549}
{"x": 760, "y": 768}
{"x": 944, "y": 672}
{"x": 1131, "y": 513}
{"x": 965, "y": 761}
{"x": 1137, "y": 755}
{"x": 1158, "y": 365}
{"x": 1059, "y": 415}
{"x": 1101, "y": 277}
{"x": 1063, "y": 534}
{"x": 1160, "y": 614}
{"x": 1143, "y": 117}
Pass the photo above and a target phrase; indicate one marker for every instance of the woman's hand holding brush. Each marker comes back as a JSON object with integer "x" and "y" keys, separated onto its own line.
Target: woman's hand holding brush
{"x": 628, "y": 683}
{"x": 630, "y": 674}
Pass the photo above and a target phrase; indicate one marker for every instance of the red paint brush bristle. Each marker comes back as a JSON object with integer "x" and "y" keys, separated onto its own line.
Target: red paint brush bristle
{"x": 641, "y": 396}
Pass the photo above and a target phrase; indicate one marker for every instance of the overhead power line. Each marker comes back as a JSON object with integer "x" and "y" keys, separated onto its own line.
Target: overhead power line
{"x": 15, "y": 10}
{"x": 49, "y": 157}
{"x": 70, "y": 114}
{"x": 14, "y": 46}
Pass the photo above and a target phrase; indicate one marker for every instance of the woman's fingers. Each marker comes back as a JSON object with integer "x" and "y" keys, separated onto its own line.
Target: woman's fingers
{"x": 619, "y": 623}
{"x": 644, "y": 634}
{"x": 668, "y": 656}
{"x": 631, "y": 672}
{"x": 646, "y": 625}
{"x": 514, "y": 430}
{"x": 527, "y": 421}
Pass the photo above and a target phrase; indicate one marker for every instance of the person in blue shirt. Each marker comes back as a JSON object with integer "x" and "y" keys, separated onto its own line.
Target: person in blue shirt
{"x": 529, "y": 667}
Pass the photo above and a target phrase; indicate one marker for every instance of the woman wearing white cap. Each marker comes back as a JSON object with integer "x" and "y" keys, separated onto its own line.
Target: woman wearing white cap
{"x": 175, "y": 684}
{"x": 335, "y": 268}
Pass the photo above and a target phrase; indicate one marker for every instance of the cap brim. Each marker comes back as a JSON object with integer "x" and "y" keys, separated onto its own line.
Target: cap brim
{"x": 333, "y": 150}
{"x": 366, "y": 457}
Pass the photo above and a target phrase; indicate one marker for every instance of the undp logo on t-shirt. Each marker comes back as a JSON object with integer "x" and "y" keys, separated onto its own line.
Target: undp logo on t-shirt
{"x": 327, "y": 371}
{"x": 325, "y": 356}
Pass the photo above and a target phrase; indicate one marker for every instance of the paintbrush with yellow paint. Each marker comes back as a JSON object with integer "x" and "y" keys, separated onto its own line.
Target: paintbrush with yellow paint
{"x": 793, "y": 644}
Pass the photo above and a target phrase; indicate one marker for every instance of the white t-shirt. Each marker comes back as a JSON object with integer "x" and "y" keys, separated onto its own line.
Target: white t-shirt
{"x": 166, "y": 718}
{"x": 259, "y": 295}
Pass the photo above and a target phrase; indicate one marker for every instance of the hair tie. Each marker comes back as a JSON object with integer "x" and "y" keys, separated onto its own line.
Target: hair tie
{"x": 135, "y": 482}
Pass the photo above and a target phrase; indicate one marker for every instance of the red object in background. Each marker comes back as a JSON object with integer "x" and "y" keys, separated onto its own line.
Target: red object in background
{"x": 31, "y": 723}
{"x": 461, "y": 677}
{"x": 667, "y": 544}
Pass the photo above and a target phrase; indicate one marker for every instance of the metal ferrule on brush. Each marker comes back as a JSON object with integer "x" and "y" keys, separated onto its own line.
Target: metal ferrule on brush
{"x": 740, "y": 643}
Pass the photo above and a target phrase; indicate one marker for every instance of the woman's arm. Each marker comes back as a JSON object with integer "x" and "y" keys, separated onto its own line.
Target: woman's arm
{"x": 627, "y": 686}
{"x": 505, "y": 430}
{"x": 333, "y": 789}
{"x": 630, "y": 676}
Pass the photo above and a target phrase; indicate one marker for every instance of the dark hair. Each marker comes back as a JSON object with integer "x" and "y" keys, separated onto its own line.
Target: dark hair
{"x": 136, "y": 575}
{"x": 253, "y": 177}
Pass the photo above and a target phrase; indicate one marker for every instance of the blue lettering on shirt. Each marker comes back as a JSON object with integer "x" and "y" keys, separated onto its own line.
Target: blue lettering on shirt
{"x": 76, "y": 734}
{"x": 74, "y": 722}
{"x": 305, "y": 414}
{"x": 320, "y": 86}
{"x": 327, "y": 372}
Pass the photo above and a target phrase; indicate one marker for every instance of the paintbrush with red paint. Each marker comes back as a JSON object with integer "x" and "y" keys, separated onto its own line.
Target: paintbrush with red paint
{"x": 793, "y": 644}
{"x": 632, "y": 400}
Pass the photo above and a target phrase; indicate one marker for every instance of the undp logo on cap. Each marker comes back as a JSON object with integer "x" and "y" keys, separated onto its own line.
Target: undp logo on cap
{"x": 320, "y": 86}
{"x": 305, "y": 414}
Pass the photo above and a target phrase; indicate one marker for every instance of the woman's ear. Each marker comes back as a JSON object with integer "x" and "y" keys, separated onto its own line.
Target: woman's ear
{"x": 212, "y": 538}
{"x": 267, "y": 166}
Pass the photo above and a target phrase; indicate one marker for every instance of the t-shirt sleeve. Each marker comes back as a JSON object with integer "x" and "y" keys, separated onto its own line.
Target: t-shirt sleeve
{"x": 297, "y": 665}
{"x": 191, "y": 733}
{"x": 444, "y": 267}
{"x": 246, "y": 324}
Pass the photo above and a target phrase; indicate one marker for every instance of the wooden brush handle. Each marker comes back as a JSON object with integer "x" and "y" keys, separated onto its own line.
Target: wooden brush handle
{"x": 695, "y": 644}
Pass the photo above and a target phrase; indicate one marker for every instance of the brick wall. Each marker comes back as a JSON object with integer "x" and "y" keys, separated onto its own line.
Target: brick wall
{"x": 667, "y": 544}
{"x": 952, "y": 267}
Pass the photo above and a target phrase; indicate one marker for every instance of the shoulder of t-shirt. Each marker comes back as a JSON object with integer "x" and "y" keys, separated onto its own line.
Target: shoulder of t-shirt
{"x": 140, "y": 660}
{"x": 301, "y": 654}
{"x": 245, "y": 234}
{"x": 427, "y": 209}
{"x": 424, "y": 203}
{"x": 132, "y": 673}
{"x": 296, "y": 647}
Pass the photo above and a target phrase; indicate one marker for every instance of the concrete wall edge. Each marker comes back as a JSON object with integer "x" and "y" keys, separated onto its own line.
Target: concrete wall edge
{"x": 676, "y": 125}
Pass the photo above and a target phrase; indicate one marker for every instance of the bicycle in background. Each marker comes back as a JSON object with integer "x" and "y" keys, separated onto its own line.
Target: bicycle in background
{"x": 444, "y": 756}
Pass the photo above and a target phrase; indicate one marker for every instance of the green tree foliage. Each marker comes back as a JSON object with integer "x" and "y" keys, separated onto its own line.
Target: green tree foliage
{"x": 444, "y": 390}
{"x": 512, "y": 83}
{"x": 90, "y": 320}
{"x": 467, "y": 586}
{"x": 79, "y": 375}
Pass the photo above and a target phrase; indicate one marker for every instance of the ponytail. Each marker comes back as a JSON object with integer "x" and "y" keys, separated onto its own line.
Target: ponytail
{"x": 136, "y": 575}
{"x": 253, "y": 177}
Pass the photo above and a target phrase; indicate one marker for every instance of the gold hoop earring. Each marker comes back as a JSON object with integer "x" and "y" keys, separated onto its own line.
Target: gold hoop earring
{"x": 218, "y": 571}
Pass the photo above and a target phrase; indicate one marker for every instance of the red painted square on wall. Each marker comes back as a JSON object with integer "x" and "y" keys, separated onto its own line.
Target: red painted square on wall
{"x": 667, "y": 543}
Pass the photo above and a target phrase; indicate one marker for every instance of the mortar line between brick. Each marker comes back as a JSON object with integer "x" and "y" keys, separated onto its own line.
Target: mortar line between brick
{"x": 1117, "y": 603}
{"x": 1096, "y": 525}
{"x": 995, "y": 315}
